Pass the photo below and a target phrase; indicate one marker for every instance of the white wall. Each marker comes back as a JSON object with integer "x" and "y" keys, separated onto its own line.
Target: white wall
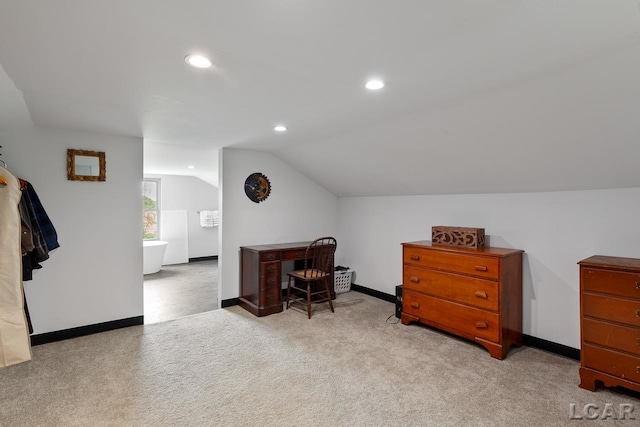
{"x": 96, "y": 274}
{"x": 297, "y": 210}
{"x": 556, "y": 230}
{"x": 193, "y": 195}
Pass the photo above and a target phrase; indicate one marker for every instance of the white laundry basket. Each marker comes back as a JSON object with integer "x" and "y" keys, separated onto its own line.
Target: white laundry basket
{"x": 342, "y": 281}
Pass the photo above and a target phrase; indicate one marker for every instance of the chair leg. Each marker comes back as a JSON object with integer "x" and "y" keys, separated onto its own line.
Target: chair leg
{"x": 326, "y": 282}
{"x": 309, "y": 300}
{"x": 288, "y": 291}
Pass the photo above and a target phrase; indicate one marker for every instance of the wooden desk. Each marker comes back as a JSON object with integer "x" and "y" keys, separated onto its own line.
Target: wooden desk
{"x": 261, "y": 275}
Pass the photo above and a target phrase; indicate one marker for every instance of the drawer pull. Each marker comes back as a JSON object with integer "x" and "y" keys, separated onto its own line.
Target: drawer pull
{"x": 414, "y": 305}
{"x": 271, "y": 257}
{"x": 481, "y": 268}
{"x": 637, "y": 285}
{"x": 481, "y": 294}
{"x": 637, "y": 313}
{"x": 415, "y": 257}
{"x": 637, "y": 369}
{"x": 481, "y": 325}
{"x": 414, "y": 279}
{"x": 270, "y": 269}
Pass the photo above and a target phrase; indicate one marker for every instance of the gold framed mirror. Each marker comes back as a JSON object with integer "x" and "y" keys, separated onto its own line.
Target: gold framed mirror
{"x": 83, "y": 165}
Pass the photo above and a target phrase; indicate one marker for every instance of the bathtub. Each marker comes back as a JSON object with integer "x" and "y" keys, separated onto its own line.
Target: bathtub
{"x": 153, "y": 253}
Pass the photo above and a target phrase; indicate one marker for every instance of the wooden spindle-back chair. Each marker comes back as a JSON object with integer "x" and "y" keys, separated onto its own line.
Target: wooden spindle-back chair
{"x": 318, "y": 268}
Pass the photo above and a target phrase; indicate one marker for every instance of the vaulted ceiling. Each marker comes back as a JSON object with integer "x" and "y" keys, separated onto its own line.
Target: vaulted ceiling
{"x": 480, "y": 96}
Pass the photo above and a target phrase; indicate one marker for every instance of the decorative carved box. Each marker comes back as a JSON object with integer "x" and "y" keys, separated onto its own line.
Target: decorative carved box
{"x": 458, "y": 236}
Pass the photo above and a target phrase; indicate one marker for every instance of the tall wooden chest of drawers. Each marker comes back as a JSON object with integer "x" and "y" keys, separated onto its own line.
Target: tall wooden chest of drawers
{"x": 475, "y": 293}
{"x": 610, "y": 322}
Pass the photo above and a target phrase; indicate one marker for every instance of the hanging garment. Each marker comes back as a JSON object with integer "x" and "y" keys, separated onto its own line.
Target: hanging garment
{"x": 15, "y": 345}
{"x": 31, "y": 259}
{"x": 41, "y": 251}
{"x": 46, "y": 227}
{"x": 26, "y": 238}
{"x": 39, "y": 236}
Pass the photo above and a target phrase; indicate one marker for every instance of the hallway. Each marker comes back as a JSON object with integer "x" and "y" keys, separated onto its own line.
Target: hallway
{"x": 180, "y": 290}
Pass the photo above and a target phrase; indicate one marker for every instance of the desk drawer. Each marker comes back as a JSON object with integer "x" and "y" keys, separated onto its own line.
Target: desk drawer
{"x": 611, "y": 282}
{"x": 473, "y": 321}
{"x": 611, "y": 362}
{"x": 295, "y": 254}
{"x": 464, "y": 289}
{"x": 270, "y": 275}
{"x": 268, "y": 269}
{"x": 270, "y": 282}
{"x": 616, "y": 337}
{"x": 460, "y": 263}
{"x": 271, "y": 296}
{"x": 269, "y": 256}
{"x": 611, "y": 308}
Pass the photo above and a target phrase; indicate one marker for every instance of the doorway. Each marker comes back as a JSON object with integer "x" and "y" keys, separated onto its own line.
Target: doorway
{"x": 187, "y": 280}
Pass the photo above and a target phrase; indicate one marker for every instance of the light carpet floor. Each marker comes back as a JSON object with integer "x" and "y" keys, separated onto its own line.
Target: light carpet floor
{"x": 351, "y": 368}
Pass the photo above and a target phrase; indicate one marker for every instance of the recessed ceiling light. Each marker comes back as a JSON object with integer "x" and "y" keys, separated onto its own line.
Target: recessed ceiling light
{"x": 280, "y": 128}
{"x": 191, "y": 167}
{"x": 374, "y": 84}
{"x": 198, "y": 61}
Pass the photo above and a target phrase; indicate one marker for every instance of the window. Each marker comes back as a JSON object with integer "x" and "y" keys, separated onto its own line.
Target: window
{"x": 151, "y": 209}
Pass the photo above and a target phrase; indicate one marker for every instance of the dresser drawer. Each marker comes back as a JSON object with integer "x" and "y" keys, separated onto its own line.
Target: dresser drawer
{"x": 611, "y": 362}
{"x": 611, "y": 308}
{"x": 471, "y": 320}
{"x": 613, "y": 336}
{"x": 463, "y": 289}
{"x": 457, "y": 262}
{"x": 611, "y": 282}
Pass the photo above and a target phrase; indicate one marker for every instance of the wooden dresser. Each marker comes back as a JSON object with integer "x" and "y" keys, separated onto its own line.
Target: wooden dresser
{"x": 610, "y": 322}
{"x": 473, "y": 293}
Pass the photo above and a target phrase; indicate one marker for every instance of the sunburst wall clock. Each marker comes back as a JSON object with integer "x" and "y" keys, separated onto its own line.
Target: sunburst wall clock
{"x": 257, "y": 187}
